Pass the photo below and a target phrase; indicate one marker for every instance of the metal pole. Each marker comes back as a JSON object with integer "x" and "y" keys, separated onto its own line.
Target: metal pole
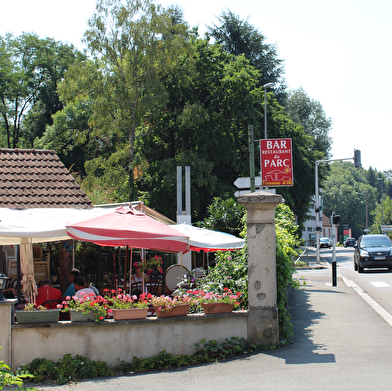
{"x": 367, "y": 211}
{"x": 265, "y": 86}
{"x": 317, "y": 210}
{"x": 265, "y": 113}
{"x": 179, "y": 190}
{"x": 382, "y": 205}
{"x": 317, "y": 202}
{"x": 188, "y": 190}
{"x": 334, "y": 281}
{"x": 251, "y": 158}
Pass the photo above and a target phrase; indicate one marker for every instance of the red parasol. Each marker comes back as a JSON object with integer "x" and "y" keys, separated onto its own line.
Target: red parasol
{"x": 128, "y": 227}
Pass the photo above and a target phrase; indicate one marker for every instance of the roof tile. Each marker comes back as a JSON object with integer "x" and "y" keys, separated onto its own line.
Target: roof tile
{"x": 36, "y": 178}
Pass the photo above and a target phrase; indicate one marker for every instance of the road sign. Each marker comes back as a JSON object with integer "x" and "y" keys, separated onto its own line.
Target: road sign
{"x": 276, "y": 162}
{"x": 241, "y": 192}
{"x": 244, "y": 182}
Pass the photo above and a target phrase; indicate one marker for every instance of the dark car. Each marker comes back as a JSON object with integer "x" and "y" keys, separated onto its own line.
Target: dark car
{"x": 350, "y": 242}
{"x": 373, "y": 251}
{"x": 324, "y": 243}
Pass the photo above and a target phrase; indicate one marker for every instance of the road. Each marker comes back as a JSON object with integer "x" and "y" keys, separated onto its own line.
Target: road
{"x": 376, "y": 283}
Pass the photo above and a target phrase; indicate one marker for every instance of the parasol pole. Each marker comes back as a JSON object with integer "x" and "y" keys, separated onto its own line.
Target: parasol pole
{"x": 114, "y": 271}
{"x": 142, "y": 270}
{"x": 126, "y": 267}
{"x": 130, "y": 272}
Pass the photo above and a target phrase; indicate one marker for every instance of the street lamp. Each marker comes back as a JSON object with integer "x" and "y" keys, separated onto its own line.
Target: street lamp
{"x": 265, "y": 86}
{"x": 382, "y": 203}
{"x": 367, "y": 208}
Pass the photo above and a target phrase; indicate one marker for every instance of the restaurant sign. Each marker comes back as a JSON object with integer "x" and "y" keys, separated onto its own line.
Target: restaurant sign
{"x": 276, "y": 162}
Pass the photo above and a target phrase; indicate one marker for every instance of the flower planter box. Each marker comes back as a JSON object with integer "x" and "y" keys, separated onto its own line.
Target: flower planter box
{"x": 217, "y": 308}
{"x": 129, "y": 313}
{"x": 77, "y": 316}
{"x": 48, "y": 316}
{"x": 180, "y": 310}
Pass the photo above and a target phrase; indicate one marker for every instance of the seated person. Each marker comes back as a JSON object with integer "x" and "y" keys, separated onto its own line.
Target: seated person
{"x": 96, "y": 291}
{"x": 71, "y": 288}
{"x": 47, "y": 292}
{"x": 81, "y": 288}
{"x": 137, "y": 278}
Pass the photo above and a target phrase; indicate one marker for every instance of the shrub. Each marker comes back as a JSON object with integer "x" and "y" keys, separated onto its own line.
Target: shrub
{"x": 8, "y": 378}
{"x": 67, "y": 369}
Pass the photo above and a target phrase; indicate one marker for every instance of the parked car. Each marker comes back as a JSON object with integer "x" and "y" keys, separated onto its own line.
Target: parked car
{"x": 324, "y": 243}
{"x": 373, "y": 251}
{"x": 350, "y": 242}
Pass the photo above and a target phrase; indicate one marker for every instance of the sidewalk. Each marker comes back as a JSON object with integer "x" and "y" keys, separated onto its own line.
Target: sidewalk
{"x": 340, "y": 342}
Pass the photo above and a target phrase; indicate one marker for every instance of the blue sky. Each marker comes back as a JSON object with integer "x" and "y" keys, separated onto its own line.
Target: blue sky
{"x": 338, "y": 51}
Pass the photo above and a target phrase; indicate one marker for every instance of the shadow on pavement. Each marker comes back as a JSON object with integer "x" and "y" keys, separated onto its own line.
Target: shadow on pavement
{"x": 303, "y": 350}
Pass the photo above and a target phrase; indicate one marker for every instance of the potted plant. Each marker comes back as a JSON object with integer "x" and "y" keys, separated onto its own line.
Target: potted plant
{"x": 125, "y": 306}
{"x": 34, "y": 314}
{"x": 214, "y": 303}
{"x": 166, "y": 306}
{"x": 87, "y": 308}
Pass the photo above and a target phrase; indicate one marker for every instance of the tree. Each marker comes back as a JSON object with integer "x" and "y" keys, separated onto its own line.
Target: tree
{"x": 210, "y": 100}
{"x": 30, "y": 69}
{"x": 382, "y": 215}
{"x": 310, "y": 114}
{"x": 134, "y": 42}
{"x": 224, "y": 216}
{"x": 239, "y": 37}
{"x": 344, "y": 192}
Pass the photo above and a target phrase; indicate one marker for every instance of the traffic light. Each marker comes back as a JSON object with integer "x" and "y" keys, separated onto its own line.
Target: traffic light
{"x": 357, "y": 158}
{"x": 335, "y": 218}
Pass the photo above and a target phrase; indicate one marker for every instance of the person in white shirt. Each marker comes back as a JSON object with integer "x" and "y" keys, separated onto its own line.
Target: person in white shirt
{"x": 81, "y": 288}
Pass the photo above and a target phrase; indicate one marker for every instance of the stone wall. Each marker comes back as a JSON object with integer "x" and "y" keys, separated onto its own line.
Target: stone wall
{"x": 112, "y": 340}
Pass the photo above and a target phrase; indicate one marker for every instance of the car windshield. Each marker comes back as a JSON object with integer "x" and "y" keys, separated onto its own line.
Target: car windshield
{"x": 382, "y": 241}
{"x": 324, "y": 240}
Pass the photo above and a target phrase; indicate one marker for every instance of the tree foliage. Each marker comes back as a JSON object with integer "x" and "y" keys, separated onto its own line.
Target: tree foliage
{"x": 153, "y": 95}
{"x": 310, "y": 114}
{"x": 239, "y": 37}
{"x": 345, "y": 191}
{"x": 224, "y": 216}
{"x": 30, "y": 69}
{"x": 133, "y": 42}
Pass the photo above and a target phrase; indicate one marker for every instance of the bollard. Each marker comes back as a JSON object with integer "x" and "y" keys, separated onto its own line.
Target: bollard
{"x": 334, "y": 273}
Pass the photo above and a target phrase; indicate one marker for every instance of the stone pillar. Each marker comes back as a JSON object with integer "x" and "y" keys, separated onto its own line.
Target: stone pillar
{"x": 6, "y": 314}
{"x": 263, "y": 322}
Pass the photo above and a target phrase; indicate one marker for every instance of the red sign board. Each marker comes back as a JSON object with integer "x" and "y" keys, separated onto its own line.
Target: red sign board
{"x": 276, "y": 162}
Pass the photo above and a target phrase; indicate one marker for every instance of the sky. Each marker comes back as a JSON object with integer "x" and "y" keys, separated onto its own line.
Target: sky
{"x": 338, "y": 51}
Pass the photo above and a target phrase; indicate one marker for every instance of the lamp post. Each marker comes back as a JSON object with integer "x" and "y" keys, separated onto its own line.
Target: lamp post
{"x": 265, "y": 86}
{"x": 367, "y": 208}
{"x": 382, "y": 203}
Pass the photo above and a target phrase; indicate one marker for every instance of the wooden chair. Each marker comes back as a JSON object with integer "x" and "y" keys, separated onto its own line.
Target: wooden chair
{"x": 137, "y": 288}
{"x": 155, "y": 286}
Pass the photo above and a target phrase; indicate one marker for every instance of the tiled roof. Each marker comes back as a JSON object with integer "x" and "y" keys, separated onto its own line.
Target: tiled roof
{"x": 36, "y": 178}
